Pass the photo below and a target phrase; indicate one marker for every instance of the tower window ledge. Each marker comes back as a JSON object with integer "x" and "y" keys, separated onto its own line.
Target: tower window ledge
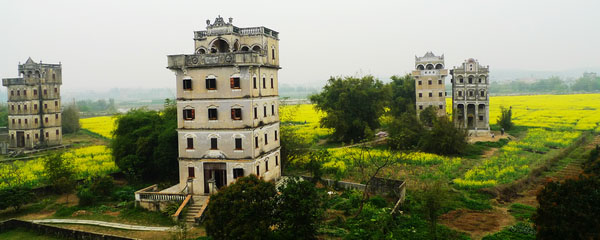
{"x": 190, "y": 150}
{"x": 213, "y": 121}
{"x": 212, "y": 91}
{"x": 236, "y": 121}
{"x": 236, "y": 90}
{"x": 238, "y": 150}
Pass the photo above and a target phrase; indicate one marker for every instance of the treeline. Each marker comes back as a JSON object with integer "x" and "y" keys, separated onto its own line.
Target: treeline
{"x": 588, "y": 83}
{"x": 100, "y": 106}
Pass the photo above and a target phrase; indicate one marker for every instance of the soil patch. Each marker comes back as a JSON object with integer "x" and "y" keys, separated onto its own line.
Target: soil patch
{"x": 488, "y": 137}
{"x": 478, "y": 223}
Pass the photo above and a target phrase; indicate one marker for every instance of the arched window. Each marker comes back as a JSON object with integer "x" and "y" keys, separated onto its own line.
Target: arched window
{"x": 439, "y": 66}
{"x": 256, "y": 48}
{"x": 420, "y": 67}
{"x": 219, "y": 46}
{"x": 236, "y": 46}
{"x": 201, "y": 51}
{"x": 429, "y": 66}
{"x": 273, "y": 53}
{"x": 245, "y": 49}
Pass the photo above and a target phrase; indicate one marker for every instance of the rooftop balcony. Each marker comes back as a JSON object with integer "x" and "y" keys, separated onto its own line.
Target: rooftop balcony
{"x": 216, "y": 59}
{"x": 200, "y": 35}
{"x": 13, "y": 81}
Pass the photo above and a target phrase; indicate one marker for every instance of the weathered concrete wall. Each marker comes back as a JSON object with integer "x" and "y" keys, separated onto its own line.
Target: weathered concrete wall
{"x": 58, "y": 232}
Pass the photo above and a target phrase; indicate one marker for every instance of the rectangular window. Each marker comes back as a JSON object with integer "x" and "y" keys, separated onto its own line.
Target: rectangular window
{"x": 25, "y": 121}
{"x": 235, "y": 82}
{"x": 20, "y": 121}
{"x": 441, "y": 106}
{"x": 273, "y": 110}
{"x": 24, "y": 92}
{"x": 266, "y": 165}
{"x": 272, "y": 83}
{"x": 37, "y": 136}
{"x": 13, "y": 121}
{"x": 255, "y": 140}
{"x": 430, "y": 94}
{"x": 34, "y": 92}
{"x": 264, "y": 82}
{"x": 45, "y": 106}
{"x": 264, "y": 111}
{"x": 56, "y": 116}
{"x": 276, "y": 160}
{"x": 420, "y": 107}
{"x": 55, "y": 90}
{"x": 266, "y": 139}
{"x": 254, "y": 80}
{"x": 189, "y": 114}
{"x": 18, "y": 92}
{"x": 211, "y": 83}
{"x": 12, "y": 93}
{"x": 275, "y": 135}
{"x": 56, "y": 132}
{"x": 36, "y": 121}
{"x": 257, "y": 171}
{"x": 45, "y": 91}
{"x": 480, "y": 118}
{"x": 429, "y": 82}
{"x": 470, "y": 93}
{"x": 238, "y": 172}
{"x": 440, "y": 82}
{"x": 255, "y": 113}
{"x": 238, "y": 144}
{"x": 187, "y": 84}
{"x": 56, "y": 103}
{"x": 25, "y": 107}
{"x": 420, "y": 94}
{"x": 191, "y": 172}
{"x": 212, "y": 114}
{"x": 460, "y": 93}
{"x": 34, "y": 107}
{"x": 440, "y": 94}
{"x": 46, "y": 120}
{"x": 213, "y": 144}
{"x": 236, "y": 113}
{"x": 482, "y": 94}
{"x": 47, "y": 135}
{"x": 420, "y": 83}
{"x": 190, "y": 143}
{"x": 470, "y": 80}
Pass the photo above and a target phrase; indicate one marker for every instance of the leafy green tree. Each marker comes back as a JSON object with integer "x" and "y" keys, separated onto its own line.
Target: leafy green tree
{"x": 70, "y": 119}
{"x": 505, "y": 118}
{"x": 145, "y": 144}
{"x": 242, "y": 210}
{"x": 15, "y": 196}
{"x": 353, "y": 106}
{"x": 405, "y": 132}
{"x": 292, "y": 223}
{"x": 403, "y": 96}
{"x": 3, "y": 115}
{"x": 433, "y": 200}
{"x": 428, "y": 116}
{"x": 59, "y": 173}
{"x": 293, "y": 145}
{"x": 569, "y": 210}
{"x": 444, "y": 138}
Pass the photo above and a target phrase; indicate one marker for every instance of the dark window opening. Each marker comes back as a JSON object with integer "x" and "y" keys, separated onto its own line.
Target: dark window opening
{"x": 420, "y": 94}
{"x": 264, "y": 82}
{"x": 37, "y": 136}
{"x": 264, "y": 111}
{"x": 273, "y": 53}
{"x": 189, "y": 114}
{"x": 256, "y": 142}
{"x": 26, "y": 122}
{"x": 212, "y": 114}
{"x": 275, "y": 135}
{"x": 255, "y": 113}
{"x": 191, "y": 172}
{"x": 482, "y": 93}
{"x": 238, "y": 172}
{"x": 440, "y": 82}
{"x": 190, "y": 143}
{"x": 45, "y": 92}
{"x": 420, "y": 107}
{"x": 56, "y": 103}
{"x": 18, "y": 92}
{"x": 47, "y": 135}
{"x": 460, "y": 93}
{"x": 480, "y": 118}
{"x": 254, "y": 82}
{"x": 441, "y": 106}
{"x": 36, "y": 121}
{"x": 45, "y": 106}
{"x": 187, "y": 84}
{"x": 430, "y": 94}
{"x": 470, "y": 93}
{"x": 429, "y": 82}
{"x": 24, "y": 92}
{"x": 55, "y": 90}
{"x": 266, "y": 165}
{"x": 257, "y": 170}
{"x": 276, "y": 160}
{"x": 56, "y": 132}
{"x": 420, "y": 83}
{"x": 34, "y": 107}
{"x": 56, "y": 116}
{"x": 440, "y": 94}
{"x": 272, "y": 109}
{"x": 12, "y": 93}
{"x": 461, "y": 80}
{"x": 45, "y": 120}
{"x": 470, "y": 80}
{"x": 236, "y": 113}
{"x": 34, "y": 92}
{"x": 266, "y": 139}
{"x": 211, "y": 84}
{"x": 235, "y": 82}
{"x": 213, "y": 144}
{"x": 238, "y": 144}
{"x": 25, "y": 107}
{"x": 272, "y": 83}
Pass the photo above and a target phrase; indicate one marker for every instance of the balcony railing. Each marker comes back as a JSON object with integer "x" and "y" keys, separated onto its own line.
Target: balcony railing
{"x": 13, "y": 81}
{"x": 150, "y": 194}
{"x": 200, "y": 60}
{"x": 199, "y": 35}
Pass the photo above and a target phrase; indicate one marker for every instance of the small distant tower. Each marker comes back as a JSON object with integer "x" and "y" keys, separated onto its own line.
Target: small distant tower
{"x": 430, "y": 87}
{"x": 470, "y": 101}
{"x": 34, "y": 116}
{"x": 227, "y": 106}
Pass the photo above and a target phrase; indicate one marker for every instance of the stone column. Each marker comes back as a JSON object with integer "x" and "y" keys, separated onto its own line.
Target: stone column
{"x": 476, "y": 118}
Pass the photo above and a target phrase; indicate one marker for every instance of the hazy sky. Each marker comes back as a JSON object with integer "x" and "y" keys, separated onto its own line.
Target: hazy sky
{"x": 124, "y": 43}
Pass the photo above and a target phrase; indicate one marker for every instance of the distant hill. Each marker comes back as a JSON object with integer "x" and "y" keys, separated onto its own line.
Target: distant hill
{"x": 502, "y": 75}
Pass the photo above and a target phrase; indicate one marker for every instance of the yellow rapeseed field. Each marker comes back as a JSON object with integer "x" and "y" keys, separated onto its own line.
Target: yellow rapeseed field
{"x": 103, "y": 126}
{"x": 86, "y": 161}
{"x": 579, "y": 111}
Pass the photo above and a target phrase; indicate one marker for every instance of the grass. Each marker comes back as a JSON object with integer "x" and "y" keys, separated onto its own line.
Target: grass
{"x": 522, "y": 212}
{"x": 24, "y": 234}
{"x": 128, "y": 215}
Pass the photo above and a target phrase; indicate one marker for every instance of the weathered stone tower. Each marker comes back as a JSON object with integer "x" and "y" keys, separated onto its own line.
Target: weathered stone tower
{"x": 34, "y": 116}
{"x": 470, "y": 99}
{"x": 227, "y": 103}
{"x": 430, "y": 76}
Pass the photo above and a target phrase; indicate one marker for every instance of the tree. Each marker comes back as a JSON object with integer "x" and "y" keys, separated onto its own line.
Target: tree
{"x": 353, "y": 106}
{"x": 444, "y": 138}
{"x": 405, "y": 132}
{"x": 432, "y": 198}
{"x": 505, "y": 118}
{"x": 292, "y": 223}
{"x": 15, "y": 196}
{"x": 293, "y": 145}
{"x": 70, "y": 119}
{"x": 242, "y": 210}
{"x": 428, "y": 116}
{"x": 569, "y": 210}
{"x": 145, "y": 144}
{"x": 59, "y": 173}
{"x": 403, "y": 96}
{"x": 369, "y": 165}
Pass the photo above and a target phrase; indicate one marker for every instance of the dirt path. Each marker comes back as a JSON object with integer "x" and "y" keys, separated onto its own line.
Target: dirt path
{"x": 478, "y": 223}
{"x": 488, "y": 137}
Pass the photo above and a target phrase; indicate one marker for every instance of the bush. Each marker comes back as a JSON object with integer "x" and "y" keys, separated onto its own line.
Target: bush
{"x": 505, "y": 118}
{"x": 86, "y": 197}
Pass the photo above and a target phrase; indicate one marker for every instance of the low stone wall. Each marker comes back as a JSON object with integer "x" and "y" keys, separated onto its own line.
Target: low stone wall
{"x": 56, "y": 231}
{"x": 380, "y": 186}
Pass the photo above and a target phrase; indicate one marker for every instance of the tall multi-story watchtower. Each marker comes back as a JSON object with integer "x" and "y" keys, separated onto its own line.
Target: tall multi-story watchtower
{"x": 34, "y": 116}
{"x": 470, "y": 99}
{"x": 227, "y": 103}
{"x": 430, "y": 87}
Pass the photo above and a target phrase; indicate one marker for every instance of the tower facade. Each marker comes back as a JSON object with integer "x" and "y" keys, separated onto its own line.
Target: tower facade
{"x": 228, "y": 109}
{"x": 34, "y": 116}
{"x": 470, "y": 101}
{"x": 430, "y": 87}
